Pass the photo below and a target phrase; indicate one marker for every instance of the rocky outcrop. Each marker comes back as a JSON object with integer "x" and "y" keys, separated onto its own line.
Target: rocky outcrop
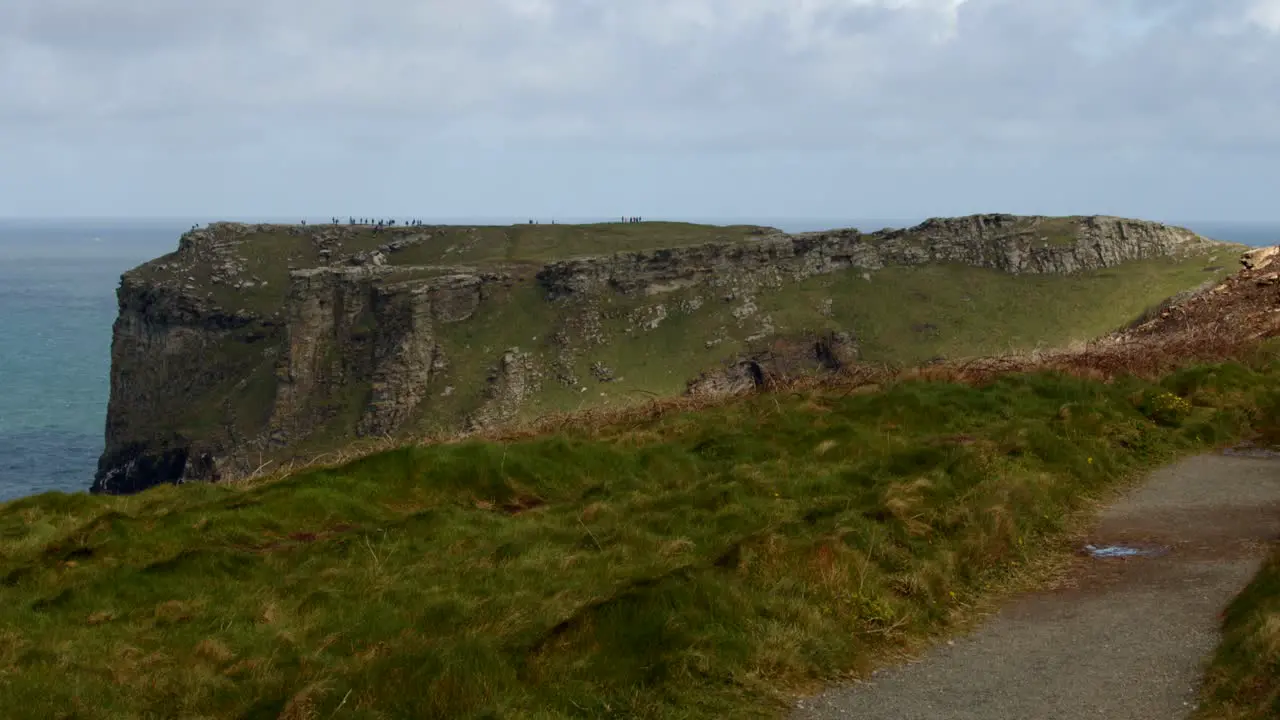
{"x": 1009, "y": 243}
{"x": 786, "y": 357}
{"x": 1259, "y": 258}
{"x": 510, "y": 382}
{"x": 253, "y": 342}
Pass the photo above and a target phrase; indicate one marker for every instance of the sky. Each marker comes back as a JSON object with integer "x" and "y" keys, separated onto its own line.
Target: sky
{"x": 1161, "y": 109}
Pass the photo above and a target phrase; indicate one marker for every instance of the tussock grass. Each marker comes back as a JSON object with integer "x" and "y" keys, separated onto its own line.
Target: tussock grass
{"x": 1243, "y": 682}
{"x": 682, "y": 559}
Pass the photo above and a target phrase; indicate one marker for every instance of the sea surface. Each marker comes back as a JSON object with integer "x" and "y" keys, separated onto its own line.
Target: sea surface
{"x": 57, "y": 303}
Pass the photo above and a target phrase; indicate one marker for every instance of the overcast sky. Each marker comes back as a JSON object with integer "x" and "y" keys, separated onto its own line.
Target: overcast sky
{"x": 1168, "y": 109}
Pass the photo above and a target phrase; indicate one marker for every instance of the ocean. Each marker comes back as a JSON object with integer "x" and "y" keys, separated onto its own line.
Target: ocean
{"x": 57, "y": 304}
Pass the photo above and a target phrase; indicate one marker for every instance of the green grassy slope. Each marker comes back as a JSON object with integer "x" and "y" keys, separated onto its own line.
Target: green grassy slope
{"x": 542, "y": 243}
{"x": 902, "y": 315}
{"x": 909, "y": 315}
{"x": 702, "y": 564}
{"x": 1243, "y": 682}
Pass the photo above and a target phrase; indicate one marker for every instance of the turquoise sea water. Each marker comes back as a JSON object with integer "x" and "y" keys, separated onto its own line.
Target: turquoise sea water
{"x": 57, "y": 303}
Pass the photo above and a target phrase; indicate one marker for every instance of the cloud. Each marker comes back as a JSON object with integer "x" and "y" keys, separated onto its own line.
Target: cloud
{"x": 133, "y": 58}
{"x": 1265, "y": 14}
{"x": 899, "y": 87}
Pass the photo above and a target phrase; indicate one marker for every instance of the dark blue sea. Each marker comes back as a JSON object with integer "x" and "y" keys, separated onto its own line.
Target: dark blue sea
{"x": 57, "y": 303}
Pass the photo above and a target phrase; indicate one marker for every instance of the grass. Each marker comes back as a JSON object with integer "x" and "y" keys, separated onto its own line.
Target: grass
{"x": 517, "y": 317}
{"x": 1055, "y": 231}
{"x": 544, "y": 243}
{"x": 1243, "y": 682}
{"x": 268, "y": 252}
{"x": 910, "y": 315}
{"x": 903, "y": 316}
{"x": 683, "y": 565}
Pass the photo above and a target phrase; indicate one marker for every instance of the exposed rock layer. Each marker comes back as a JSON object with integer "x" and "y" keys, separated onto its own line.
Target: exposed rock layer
{"x": 1003, "y": 242}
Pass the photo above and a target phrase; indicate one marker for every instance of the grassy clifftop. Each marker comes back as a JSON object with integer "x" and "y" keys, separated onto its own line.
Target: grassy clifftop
{"x": 259, "y": 258}
{"x": 696, "y": 563}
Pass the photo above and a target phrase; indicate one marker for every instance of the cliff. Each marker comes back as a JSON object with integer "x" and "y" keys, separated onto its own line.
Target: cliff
{"x": 1003, "y": 242}
{"x": 254, "y": 343}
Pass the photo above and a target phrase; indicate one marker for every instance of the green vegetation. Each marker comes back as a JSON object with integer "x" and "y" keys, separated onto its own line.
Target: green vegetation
{"x": 544, "y": 243}
{"x": 902, "y": 316}
{"x": 1244, "y": 680}
{"x": 688, "y": 564}
{"x": 1054, "y": 230}
{"x": 269, "y": 252}
{"x": 912, "y": 314}
{"x": 515, "y": 318}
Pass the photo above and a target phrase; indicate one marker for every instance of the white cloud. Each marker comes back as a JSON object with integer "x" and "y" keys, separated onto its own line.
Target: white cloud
{"x": 111, "y": 57}
{"x": 1265, "y": 14}
{"x": 896, "y": 84}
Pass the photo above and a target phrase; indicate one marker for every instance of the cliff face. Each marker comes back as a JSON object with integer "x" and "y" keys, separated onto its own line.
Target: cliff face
{"x": 162, "y": 347}
{"x": 351, "y": 328}
{"x": 252, "y": 343}
{"x": 197, "y": 394}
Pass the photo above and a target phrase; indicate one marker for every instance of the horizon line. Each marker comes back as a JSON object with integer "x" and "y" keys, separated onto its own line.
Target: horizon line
{"x": 777, "y": 223}
{"x": 441, "y": 219}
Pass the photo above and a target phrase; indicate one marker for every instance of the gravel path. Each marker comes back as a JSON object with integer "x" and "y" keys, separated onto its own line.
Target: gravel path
{"x": 1125, "y": 638}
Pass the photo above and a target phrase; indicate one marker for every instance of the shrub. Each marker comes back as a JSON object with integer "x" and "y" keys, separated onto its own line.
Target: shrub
{"x": 1164, "y": 407}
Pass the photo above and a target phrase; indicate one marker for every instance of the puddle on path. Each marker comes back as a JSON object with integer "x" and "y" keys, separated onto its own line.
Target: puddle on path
{"x": 1123, "y": 551}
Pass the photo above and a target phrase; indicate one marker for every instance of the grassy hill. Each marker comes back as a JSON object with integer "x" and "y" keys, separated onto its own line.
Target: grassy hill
{"x": 908, "y": 315}
{"x": 698, "y": 561}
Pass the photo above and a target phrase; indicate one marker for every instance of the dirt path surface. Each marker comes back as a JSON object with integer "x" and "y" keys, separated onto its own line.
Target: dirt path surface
{"x": 1125, "y": 638}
